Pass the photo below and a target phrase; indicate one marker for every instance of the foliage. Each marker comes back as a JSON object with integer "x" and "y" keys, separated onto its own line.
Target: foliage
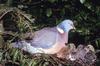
{"x": 84, "y": 13}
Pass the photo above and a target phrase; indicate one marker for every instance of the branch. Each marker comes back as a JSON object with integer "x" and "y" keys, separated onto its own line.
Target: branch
{"x": 4, "y": 14}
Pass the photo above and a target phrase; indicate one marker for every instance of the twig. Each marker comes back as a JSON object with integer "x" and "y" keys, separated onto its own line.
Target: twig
{"x": 25, "y": 17}
{"x": 8, "y": 32}
{"x": 28, "y": 24}
{"x": 15, "y": 9}
{"x": 4, "y": 14}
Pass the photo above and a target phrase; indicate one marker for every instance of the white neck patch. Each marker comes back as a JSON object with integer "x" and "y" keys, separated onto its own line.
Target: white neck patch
{"x": 60, "y": 30}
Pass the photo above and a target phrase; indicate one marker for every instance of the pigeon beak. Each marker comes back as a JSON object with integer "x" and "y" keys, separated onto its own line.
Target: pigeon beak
{"x": 74, "y": 28}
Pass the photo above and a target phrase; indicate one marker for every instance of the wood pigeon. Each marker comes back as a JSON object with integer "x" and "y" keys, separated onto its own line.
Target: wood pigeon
{"x": 47, "y": 40}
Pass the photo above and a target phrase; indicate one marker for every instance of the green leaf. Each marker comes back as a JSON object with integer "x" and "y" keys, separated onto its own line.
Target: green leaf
{"x": 88, "y": 5}
{"x": 82, "y": 1}
{"x": 34, "y": 63}
{"x": 20, "y": 56}
{"x": 45, "y": 63}
{"x": 30, "y": 63}
{"x": 23, "y": 62}
{"x": 1, "y": 56}
{"x": 49, "y": 12}
{"x": 97, "y": 43}
{"x": 9, "y": 2}
{"x": 15, "y": 55}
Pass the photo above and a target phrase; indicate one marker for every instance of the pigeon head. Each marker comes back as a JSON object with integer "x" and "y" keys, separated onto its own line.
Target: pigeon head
{"x": 65, "y": 26}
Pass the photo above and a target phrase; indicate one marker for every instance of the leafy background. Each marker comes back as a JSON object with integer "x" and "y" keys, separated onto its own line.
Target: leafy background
{"x": 84, "y": 13}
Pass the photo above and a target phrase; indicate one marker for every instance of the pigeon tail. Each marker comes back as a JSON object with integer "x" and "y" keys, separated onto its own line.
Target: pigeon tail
{"x": 27, "y": 47}
{"x": 18, "y": 44}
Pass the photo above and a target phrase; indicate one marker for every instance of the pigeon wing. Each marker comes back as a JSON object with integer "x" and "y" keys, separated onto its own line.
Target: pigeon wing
{"x": 45, "y": 38}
